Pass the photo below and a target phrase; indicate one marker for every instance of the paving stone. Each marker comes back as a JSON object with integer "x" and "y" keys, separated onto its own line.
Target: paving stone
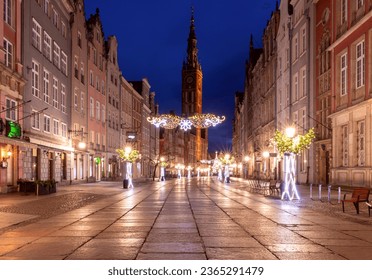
{"x": 104, "y": 253}
{"x": 257, "y": 253}
{"x": 172, "y": 248}
{"x": 174, "y": 256}
{"x": 221, "y": 242}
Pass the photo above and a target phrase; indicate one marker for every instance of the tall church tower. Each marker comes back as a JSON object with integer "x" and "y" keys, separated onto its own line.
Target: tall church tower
{"x": 196, "y": 141}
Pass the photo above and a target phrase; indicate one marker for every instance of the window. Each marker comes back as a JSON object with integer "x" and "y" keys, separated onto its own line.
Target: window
{"x": 8, "y": 10}
{"x": 8, "y": 54}
{"x": 55, "y": 93}
{"x": 35, "y": 120}
{"x": 360, "y": 65}
{"x": 82, "y": 102}
{"x": 46, "y": 7}
{"x": 79, "y": 39}
{"x": 63, "y": 98}
{"x": 63, "y": 29}
{"x": 76, "y": 70}
{"x": 361, "y": 143}
{"x": 64, "y": 130}
{"x": 295, "y": 47}
{"x": 76, "y": 99}
{"x": 343, "y": 75}
{"x": 343, "y": 11}
{"x": 56, "y": 127}
{"x": 295, "y": 87}
{"x": 303, "y": 39}
{"x": 64, "y": 63}
{"x": 47, "y": 46}
{"x": 103, "y": 87}
{"x": 98, "y": 138}
{"x": 91, "y": 79}
{"x": 98, "y": 112}
{"x": 103, "y": 111}
{"x": 82, "y": 73}
{"x": 97, "y": 83}
{"x": 36, "y": 34}
{"x": 345, "y": 146}
{"x": 46, "y": 123}
{"x": 35, "y": 79}
{"x": 56, "y": 55}
{"x": 11, "y": 112}
{"x": 46, "y": 86}
{"x": 303, "y": 82}
{"x": 55, "y": 18}
{"x": 95, "y": 56}
{"x": 91, "y": 107}
{"x": 359, "y": 4}
{"x": 92, "y": 136}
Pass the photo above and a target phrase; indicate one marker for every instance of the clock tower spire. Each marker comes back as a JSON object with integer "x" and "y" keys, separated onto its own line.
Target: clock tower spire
{"x": 196, "y": 141}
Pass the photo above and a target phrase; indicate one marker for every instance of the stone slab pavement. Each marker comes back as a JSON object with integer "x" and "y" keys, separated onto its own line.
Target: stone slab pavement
{"x": 194, "y": 219}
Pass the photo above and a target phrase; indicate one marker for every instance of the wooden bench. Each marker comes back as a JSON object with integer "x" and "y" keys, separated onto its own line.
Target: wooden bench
{"x": 369, "y": 205}
{"x": 274, "y": 188}
{"x": 358, "y": 195}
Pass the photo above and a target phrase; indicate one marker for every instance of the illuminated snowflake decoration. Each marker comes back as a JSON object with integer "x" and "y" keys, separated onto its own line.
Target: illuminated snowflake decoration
{"x": 206, "y": 120}
{"x": 185, "y": 124}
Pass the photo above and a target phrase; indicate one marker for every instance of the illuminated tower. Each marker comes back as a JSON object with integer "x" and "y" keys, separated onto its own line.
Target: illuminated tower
{"x": 196, "y": 142}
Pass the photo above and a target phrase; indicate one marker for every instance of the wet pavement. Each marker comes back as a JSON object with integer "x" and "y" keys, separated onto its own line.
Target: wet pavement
{"x": 195, "y": 219}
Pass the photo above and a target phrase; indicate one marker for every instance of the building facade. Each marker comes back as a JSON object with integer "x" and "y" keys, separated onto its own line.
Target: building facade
{"x": 46, "y": 45}
{"x": 12, "y": 146}
{"x": 78, "y": 132}
{"x": 112, "y": 107}
{"x": 323, "y": 91}
{"x": 96, "y": 80}
{"x": 351, "y": 80}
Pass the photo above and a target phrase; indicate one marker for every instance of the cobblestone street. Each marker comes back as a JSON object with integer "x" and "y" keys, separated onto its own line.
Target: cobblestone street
{"x": 178, "y": 219}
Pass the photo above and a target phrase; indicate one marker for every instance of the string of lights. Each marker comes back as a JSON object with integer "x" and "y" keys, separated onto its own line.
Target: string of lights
{"x": 169, "y": 121}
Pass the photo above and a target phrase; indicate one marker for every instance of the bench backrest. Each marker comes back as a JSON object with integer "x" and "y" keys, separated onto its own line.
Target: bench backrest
{"x": 363, "y": 193}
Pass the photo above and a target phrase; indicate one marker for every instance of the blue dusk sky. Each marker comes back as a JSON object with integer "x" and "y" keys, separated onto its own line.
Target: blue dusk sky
{"x": 152, "y": 37}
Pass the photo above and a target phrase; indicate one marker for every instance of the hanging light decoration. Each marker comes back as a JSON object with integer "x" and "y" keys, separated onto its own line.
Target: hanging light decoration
{"x": 169, "y": 121}
{"x": 206, "y": 120}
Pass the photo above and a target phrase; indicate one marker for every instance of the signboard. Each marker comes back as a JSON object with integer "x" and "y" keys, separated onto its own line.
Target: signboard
{"x": 13, "y": 130}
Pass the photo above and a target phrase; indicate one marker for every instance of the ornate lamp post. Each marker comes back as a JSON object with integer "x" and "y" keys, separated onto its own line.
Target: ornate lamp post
{"x": 128, "y": 156}
{"x": 289, "y": 145}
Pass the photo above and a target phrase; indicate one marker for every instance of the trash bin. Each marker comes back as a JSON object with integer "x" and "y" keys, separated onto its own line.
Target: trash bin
{"x": 125, "y": 183}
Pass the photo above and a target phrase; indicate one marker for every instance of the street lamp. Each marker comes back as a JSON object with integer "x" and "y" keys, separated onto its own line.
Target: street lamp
{"x": 266, "y": 155}
{"x": 162, "y": 169}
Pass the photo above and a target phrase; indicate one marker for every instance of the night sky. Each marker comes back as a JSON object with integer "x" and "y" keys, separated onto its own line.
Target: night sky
{"x": 152, "y": 37}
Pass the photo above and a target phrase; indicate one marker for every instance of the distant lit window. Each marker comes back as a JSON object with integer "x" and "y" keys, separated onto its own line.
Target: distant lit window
{"x": 360, "y": 65}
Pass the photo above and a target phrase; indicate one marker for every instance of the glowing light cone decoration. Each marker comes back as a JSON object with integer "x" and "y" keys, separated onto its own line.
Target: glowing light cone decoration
{"x": 289, "y": 146}
{"x": 163, "y": 165}
{"x": 128, "y": 155}
{"x": 169, "y": 121}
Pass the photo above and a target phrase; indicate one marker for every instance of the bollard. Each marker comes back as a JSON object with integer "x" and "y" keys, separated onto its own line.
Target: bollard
{"x": 329, "y": 193}
{"x": 311, "y": 191}
{"x": 320, "y": 191}
{"x": 339, "y": 195}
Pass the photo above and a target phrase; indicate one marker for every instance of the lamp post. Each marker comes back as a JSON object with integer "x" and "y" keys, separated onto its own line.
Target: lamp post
{"x": 246, "y": 160}
{"x": 266, "y": 156}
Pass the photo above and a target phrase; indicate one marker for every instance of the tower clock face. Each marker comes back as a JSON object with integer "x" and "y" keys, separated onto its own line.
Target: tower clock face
{"x": 189, "y": 79}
